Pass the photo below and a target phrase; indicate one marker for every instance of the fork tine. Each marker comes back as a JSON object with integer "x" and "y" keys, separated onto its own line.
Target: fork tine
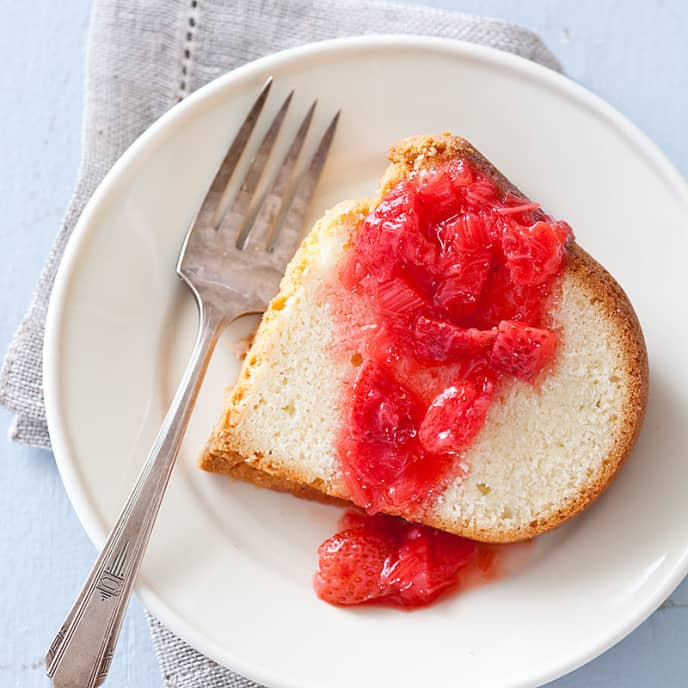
{"x": 259, "y": 227}
{"x": 217, "y": 188}
{"x": 287, "y": 237}
{"x": 240, "y": 206}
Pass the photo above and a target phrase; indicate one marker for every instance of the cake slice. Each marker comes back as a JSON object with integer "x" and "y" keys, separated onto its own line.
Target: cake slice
{"x": 507, "y": 452}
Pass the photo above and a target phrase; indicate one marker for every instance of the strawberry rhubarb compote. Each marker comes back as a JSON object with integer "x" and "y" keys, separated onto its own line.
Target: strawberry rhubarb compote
{"x": 457, "y": 274}
{"x": 385, "y": 560}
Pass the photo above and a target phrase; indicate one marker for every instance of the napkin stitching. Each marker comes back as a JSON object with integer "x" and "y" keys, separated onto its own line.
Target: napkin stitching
{"x": 187, "y": 59}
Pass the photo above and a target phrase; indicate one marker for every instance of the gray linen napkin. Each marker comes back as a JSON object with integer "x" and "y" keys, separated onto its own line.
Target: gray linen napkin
{"x": 144, "y": 56}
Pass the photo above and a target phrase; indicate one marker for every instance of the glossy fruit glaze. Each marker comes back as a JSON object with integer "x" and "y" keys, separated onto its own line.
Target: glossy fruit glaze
{"x": 385, "y": 560}
{"x": 456, "y": 275}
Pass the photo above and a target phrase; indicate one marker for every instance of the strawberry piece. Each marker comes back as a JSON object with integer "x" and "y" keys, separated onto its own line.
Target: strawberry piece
{"x": 383, "y": 418}
{"x": 390, "y": 237}
{"x": 451, "y": 553}
{"x": 381, "y": 410}
{"x": 395, "y": 230}
{"x": 501, "y": 299}
{"x": 425, "y": 564}
{"x": 350, "y": 567}
{"x": 372, "y": 471}
{"x": 455, "y": 416}
{"x": 534, "y": 254}
{"x": 388, "y": 560}
{"x": 409, "y": 573}
{"x": 439, "y": 341}
{"x": 522, "y": 351}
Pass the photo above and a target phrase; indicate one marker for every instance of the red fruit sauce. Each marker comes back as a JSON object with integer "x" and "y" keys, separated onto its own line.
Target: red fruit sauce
{"x": 455, "y": 275}
{"x": 385, "y": 560}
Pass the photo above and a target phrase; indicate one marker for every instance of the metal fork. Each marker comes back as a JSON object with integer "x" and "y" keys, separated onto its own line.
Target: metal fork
{"x": 232, "y": 259}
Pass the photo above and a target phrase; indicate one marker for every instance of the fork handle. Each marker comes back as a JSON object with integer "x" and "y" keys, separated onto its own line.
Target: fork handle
{"x": 80, "y": 654}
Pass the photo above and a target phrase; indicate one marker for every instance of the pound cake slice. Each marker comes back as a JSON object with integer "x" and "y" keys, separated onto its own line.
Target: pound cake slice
{"x": 445, "y": 352}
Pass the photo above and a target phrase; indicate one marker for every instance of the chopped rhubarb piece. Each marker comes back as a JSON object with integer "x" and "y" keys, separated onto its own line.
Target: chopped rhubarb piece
{"x": 465, "y": 233}
{"x": 438, "y": 196}
{"x": 396, "y": 299}
{"x": 458, "y": 293}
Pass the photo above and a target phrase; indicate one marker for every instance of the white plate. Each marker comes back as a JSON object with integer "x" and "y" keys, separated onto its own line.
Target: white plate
{"x": 229, "y": 567}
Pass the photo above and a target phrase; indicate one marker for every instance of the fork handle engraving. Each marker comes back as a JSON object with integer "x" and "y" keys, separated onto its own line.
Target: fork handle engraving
{"x": 80, "y": 654}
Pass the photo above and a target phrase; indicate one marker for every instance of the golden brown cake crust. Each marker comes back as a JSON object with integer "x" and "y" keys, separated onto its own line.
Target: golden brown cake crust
{"x": 249, "y": 474}
{"x": 418, "y": 152}
{"x": 407, "y": 157}
{"x": 600, "y": 285}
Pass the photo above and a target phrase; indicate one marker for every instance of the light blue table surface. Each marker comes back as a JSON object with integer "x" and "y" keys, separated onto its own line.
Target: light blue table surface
{"x": 633, "y": 54}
